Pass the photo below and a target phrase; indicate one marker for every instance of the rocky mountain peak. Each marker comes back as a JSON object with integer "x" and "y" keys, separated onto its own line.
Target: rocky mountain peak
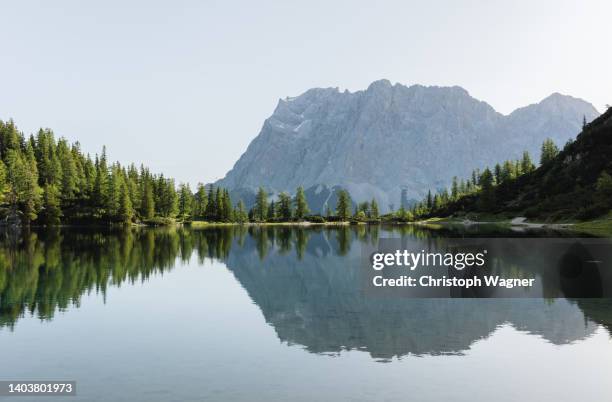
{"x": 392, "y": 139}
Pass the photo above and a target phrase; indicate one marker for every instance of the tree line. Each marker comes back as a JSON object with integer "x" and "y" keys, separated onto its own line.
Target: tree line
{"x": 484, "y": 190}
{"x": 48, "y": 181}
{"x": 43, "y": 271}
{"x": 481, "y": 184}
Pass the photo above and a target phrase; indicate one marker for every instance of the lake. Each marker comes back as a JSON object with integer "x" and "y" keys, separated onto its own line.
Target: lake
{"x": 279, "y": 314}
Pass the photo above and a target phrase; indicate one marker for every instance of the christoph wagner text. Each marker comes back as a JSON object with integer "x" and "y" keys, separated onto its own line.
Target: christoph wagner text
{"x": 429, "y": 281}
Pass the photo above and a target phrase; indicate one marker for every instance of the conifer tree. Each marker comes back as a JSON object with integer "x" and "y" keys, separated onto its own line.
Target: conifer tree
{"x": 240, "y": 214}
{"x": 147, "y": 206}
{"x": 455, "y": 188}
{"x": 343, "y": 208}
{"x": 101, "y": 184}
{"x": 285, "y": 210}
{"x": 507, "y": 172}
{"x": 220, "y": 205}
{"x": 365, "y": 208}
{"x": 498, "y": 174}
{"x": 430, "y": 199}
{"x": 211, "y": 207}
{"x": 200, "y": 201}
{"x": 113, "y": 198}
{"x": 25, "y": 194}
{"x": 301, "y": 205}
{"x": 68, "y": 170}
{"x": 487, "y": 197}
{"x": 272, "y": 211}
{"x": 526, "y": 163}
{"x": 51, "y": 211}
{"x": 549, "y": 151}
{"x": 185, "y": 203}
{"x": 4, "y": 185}
{"x": 260, "y": 210}
{"x": 401, "y": 213}
{"x": 124, "y": 211}
{"x": 227, "y": 207}
{"x": 374, "y": 207}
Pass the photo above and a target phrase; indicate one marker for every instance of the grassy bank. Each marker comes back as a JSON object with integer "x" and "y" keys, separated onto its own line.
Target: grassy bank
{"x": 597, "y": 227}
{"x": 199, "y": 224}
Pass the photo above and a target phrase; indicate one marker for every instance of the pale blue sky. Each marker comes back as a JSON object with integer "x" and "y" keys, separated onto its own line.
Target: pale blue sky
{"x": 185, "y": 85}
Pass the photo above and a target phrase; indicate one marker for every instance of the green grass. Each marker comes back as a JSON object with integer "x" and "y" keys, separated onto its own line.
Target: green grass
{"x": 198, "y": 224}
{"x": 474, "y": 217}
{"x": 158, "y": 221}
{"x": 598, "y": 227}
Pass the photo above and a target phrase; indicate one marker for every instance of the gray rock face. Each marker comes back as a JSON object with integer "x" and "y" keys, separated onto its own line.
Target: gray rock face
{"x": 388, "y": 137}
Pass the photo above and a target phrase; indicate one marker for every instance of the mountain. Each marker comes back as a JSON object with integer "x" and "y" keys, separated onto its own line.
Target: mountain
{"x": 388, "y": 137}
{"x": 576, "y": 184}
{"x": 317, "y": 300}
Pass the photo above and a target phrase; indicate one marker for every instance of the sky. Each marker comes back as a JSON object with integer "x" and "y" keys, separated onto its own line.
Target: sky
{"x": 184, "y": 86}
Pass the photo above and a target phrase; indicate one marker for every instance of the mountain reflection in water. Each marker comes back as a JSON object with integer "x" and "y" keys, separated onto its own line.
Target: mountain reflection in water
{"x": 306, "y": 281}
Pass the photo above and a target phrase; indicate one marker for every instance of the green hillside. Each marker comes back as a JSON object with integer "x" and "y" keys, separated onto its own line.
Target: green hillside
{"x": 573, "y": 184}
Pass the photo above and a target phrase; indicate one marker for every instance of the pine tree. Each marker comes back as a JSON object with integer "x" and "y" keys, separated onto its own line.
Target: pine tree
{"x": 455, "y": 188}
{"x": 474, "y": 178}
{"x": 147, "y": 207}
{"x": 200, "y": 201}
{"x": 124, "y": 212}
{"x": 101, "y": 183}
{"x": 365, "y": 208}
{"x": 301, "y": 205}
{"x": 89, "y": 171}
{"x": 113, "y": 198}
{"x": 80, "y": 176}
{"x": 343, "y": 208}
{"x": 51, "y": 211}
{"x": 220, "y": 212}
{"x": 374, "y": 207}
{"x": 240, "y": 214}
{"x": 68, "y": 170}
{"x": 25, "y": 194}
{"x": 285, "y": 210}
{"x": 4, "y": 185}
{"x": 507, "y": 172}
{"x": 185, "y": 203}
{"x": 170, "y": 199}
{"x": 526, "y": 163}
{"x": 401, "y": 213}
{"x": 211, "y": 207}
{"x": 437, "y": 203}
{"x": 549, "y": 151}
{"x": 487, "y": 195}
{"x": 228, "y": 211}
{"x": 272, "y": 212}
{"x": 498, "y": 174}
{"x": 260, "y": 210}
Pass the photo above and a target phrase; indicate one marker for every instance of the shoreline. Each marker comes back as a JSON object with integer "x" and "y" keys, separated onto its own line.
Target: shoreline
{"x": 601, "y": 227}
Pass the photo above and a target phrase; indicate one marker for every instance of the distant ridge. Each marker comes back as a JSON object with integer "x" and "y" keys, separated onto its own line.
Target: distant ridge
{"x": 388, "y": 137}
{"x": 566, "y": 188}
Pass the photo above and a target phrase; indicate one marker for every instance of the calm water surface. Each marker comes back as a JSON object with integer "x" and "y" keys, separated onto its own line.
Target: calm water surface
{"x": 242, "y": 314}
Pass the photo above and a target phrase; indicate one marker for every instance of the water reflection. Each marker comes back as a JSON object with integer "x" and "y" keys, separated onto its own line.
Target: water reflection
{"x": 305, "y": 281}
